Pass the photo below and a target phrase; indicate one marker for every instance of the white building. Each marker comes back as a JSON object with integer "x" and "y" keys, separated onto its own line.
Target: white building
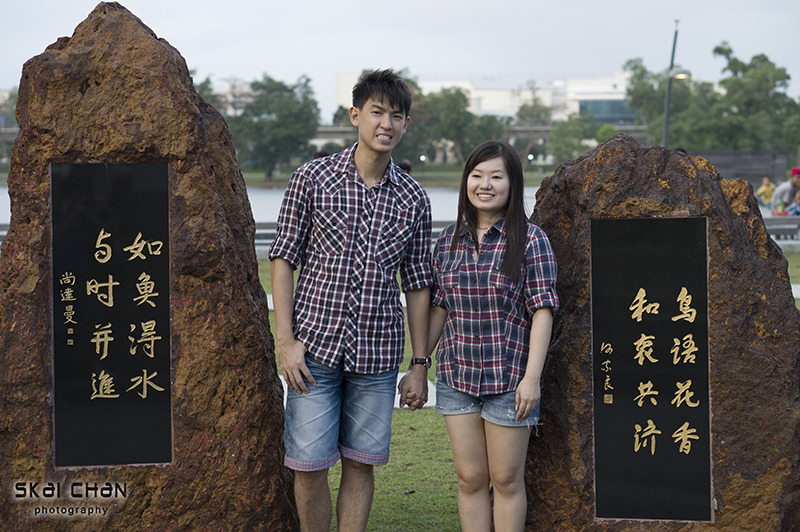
{"x": 603, "y": 97}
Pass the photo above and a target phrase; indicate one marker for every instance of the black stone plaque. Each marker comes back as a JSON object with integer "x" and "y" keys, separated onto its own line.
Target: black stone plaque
{"x": 651, "y": 369}
{"x": 111, "y": 314}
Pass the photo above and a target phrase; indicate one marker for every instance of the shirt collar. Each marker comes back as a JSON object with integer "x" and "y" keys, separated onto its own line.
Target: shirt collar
{"x": 499, "y": 225}
{"x": 344, "y": 167}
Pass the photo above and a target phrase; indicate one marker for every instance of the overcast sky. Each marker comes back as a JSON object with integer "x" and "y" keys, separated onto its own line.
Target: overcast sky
{"x": 433, "y": 39}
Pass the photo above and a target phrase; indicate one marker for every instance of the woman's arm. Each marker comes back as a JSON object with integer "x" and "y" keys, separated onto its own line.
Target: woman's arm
{"x": 529, "y": 391}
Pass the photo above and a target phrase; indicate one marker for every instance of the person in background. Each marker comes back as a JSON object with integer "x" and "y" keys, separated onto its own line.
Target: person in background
{"x": 785, "y": 192}
{"x": 492, "y": 301}
{"x": 353, "y": 220}
{"x": 406, "y": 165}
{"x": 765, "y": 192}
{"x": 793, "y": 209}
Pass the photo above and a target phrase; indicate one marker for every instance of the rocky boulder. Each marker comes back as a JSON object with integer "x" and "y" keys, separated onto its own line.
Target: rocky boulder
{"x": 754, "y": 341}
{"x": 115, "y": 92}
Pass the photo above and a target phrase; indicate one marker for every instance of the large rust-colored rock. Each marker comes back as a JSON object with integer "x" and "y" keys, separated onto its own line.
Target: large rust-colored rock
{"x": 114, "y": 92}
{"x": 754, "y": 337}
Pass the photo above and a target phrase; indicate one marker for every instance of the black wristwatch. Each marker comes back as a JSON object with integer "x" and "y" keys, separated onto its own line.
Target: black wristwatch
{"x": 424, "y": 361}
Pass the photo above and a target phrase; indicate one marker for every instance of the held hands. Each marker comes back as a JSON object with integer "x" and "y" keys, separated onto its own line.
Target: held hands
{"x": 292, "y": 357}
{"x": 529, "y": 393}
{"x": 413, "y": 387}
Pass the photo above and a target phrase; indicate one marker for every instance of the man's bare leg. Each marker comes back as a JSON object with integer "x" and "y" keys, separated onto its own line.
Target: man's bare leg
{"x": 355, "y": 496}
{"x": 313, "y": 499}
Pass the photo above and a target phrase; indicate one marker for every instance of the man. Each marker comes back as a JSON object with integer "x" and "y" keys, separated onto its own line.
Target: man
{"x": 351, "y": 221}
{"x": 785, "y": 192}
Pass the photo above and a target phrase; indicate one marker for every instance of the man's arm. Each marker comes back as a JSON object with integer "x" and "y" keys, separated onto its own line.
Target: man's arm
{"x": 413, "y": 386}
{"x": 291, "y": 352}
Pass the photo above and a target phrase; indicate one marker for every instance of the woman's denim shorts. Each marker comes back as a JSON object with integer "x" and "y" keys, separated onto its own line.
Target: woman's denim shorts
{"x": 500, "y": 409}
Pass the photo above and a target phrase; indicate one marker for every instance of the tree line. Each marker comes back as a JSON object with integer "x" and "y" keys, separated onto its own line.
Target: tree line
{"x": 272, "y": 121}
{"x": 749, "y": 110}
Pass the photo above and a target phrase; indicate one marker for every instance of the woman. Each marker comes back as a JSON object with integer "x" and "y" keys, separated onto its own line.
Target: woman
{"x": 492, "y": 304}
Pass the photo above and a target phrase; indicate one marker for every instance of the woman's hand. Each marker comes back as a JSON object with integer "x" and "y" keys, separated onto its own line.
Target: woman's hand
{"x": 529, "y": 393}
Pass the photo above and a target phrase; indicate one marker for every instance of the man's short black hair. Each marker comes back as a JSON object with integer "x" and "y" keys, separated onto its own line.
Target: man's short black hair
{"x": 379, "y": 85}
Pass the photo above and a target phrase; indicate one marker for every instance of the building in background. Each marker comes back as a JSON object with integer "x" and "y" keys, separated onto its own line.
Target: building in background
{"x": 603, "y": 97}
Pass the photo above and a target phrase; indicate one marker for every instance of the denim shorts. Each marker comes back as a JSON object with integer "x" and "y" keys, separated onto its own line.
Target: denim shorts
{"x": 345, "y": 414}
{"x": 500, "y": 409}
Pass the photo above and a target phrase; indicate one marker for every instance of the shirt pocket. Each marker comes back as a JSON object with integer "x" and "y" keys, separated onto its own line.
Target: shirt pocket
{"x": 395, "y": 236}
{"x": 499, "y": 280}
{"x": 450, "y": 271}
{"x": 330, "y": 232}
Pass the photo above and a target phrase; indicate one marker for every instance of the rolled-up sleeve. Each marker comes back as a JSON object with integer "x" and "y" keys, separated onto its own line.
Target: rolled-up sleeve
{"x": 293, "y": 221}
{"x": 541, "y": 272}
{"x": 415, "y": 271}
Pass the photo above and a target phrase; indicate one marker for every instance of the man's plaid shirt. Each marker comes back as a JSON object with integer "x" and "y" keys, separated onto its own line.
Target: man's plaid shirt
{"x": 484, "y": 345}
{"x": 350, "y": 241}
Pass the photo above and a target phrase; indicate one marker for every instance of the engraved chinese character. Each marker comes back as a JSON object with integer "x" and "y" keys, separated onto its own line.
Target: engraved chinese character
{"x": 640, "y": 440}
{"x": 144, "y": 381}
{"x": 605, "y": 366}
{"x": 644, "y": 349}
{"x": 67, "y": 294}
{"x": 684, "y": 435}
{"x": 103, "y": 253}
{"x": 145, "y": 287}
{"x": 67, "y": 278}
{"x": 101, "y": 338}
{"x": 103, "y": 386}
{"x": 69, "y": 314}
{"x": 687, "y": 312}
{"x": 640, "y": 306}
{"x": 684, "y": 395}
{"x": 148, "y": 338}
{"x": 688, "y": 352}
{"x": 606, "y": 348}
{"x": 93, "y": 287}
{"x": 135, "y": 249}
{"x": 607, "y": 383}
{"x": 646, "y": 391}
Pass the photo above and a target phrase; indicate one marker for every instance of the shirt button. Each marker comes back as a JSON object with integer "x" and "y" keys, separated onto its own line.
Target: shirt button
{"x": 474, "y": 279}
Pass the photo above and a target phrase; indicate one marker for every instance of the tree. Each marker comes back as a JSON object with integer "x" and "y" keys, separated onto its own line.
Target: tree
{"x": 755, "y": 102}
{"x": 342, "y": 116}
{"x": 534, "y": 113}
{"x": 565, "y": 140}
{"x": 206, "y": 91}
{"x": 605, "y": 132}
{"x": 277, "y": 124}
{"x": 751, "y": 112}
{"x": 8, "y": 119}
{"x": 482, "y": 128}
{"x": 450, "y": 120}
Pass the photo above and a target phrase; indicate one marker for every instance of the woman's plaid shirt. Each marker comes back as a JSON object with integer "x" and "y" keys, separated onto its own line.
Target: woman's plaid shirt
{"x": 350, "y": 241}
{"x": 484, "y": 345}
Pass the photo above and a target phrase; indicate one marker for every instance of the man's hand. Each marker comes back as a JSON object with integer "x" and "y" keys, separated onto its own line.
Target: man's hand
{"x": 292, "y": 358}
{"x": 413, "y": 387}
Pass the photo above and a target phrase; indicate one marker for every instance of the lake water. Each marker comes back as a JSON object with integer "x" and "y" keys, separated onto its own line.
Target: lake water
{"x": 266, "y": 202}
